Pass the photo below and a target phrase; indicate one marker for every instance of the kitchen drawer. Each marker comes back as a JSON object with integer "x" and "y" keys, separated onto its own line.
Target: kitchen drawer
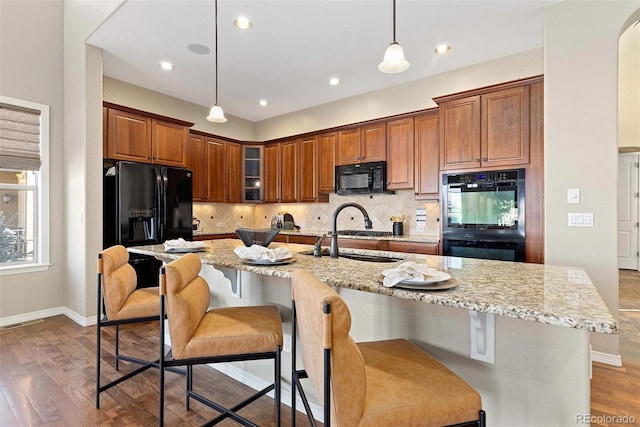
{"x": 413, "y": 247}
{"x": 303, "y": 240}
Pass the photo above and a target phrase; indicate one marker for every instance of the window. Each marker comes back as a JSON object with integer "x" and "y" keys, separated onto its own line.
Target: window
{"x": 24, "y": 202}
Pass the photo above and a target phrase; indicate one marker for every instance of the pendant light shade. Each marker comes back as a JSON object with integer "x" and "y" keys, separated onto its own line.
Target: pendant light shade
{"x": 216, "y": 114}
{"x": 393, "y": 61}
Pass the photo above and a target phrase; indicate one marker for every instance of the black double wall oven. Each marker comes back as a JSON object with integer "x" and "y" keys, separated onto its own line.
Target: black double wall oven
{"x": 483, "y": 214}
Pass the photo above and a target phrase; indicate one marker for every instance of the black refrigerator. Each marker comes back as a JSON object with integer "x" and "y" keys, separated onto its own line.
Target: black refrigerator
{"x": 146, "y": 205}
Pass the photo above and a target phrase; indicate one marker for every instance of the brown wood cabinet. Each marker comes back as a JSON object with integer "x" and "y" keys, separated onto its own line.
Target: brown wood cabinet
{"x": 233, "y": 165}
{"x": 485, "y": 130}
{"x": 197, "y": 164}
{"x": 308, "y": 175}
{"x": 135, "y": 137}
{"x": 427, "y": 161}
{"x": 400, "y": 154}
{"x": 363, "y": 144}
{"x": 289, "y": 171}
{"x": 216, "y": 172}
{"x": 327, "y": 146}
{"x": 272, "y": 166}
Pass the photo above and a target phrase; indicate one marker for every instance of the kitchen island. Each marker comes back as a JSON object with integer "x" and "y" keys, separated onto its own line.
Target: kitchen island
{"x": 538, "y": 369}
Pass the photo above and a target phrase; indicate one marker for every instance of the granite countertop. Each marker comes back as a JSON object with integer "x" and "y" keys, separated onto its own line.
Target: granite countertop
{"x": 421, "y": 238}
{"x": 554, "y": 295}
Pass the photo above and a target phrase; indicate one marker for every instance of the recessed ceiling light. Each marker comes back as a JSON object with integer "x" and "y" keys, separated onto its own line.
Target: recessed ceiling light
{"x": 242, "y": 22}
{"x": 165, "y": 65}
{"x": 263, "y": 102}
{"x": 334, "y": 81}
{"x": 443, "y": 48}
{"x": 198, "y": 49}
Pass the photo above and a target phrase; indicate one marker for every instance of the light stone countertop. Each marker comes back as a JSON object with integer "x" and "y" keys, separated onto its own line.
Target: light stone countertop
{"x": 554, "y": 295}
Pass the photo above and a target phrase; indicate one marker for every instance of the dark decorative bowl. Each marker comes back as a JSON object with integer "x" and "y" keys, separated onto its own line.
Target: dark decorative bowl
{"x": 262, "y": 237}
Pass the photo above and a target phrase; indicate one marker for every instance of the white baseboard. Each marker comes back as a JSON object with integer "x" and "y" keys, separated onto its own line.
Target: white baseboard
{"x": 257, "y": 383}
{"x": 606, "y": 358}
{"x": 50, "y": 312}
{"x": 34, "y": 315}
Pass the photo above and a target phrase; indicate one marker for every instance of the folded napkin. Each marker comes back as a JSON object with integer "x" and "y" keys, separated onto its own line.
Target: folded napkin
{"x": 257, "y": 252}
{"x": 182, "y": 244}
{"x": 406, "y": 271}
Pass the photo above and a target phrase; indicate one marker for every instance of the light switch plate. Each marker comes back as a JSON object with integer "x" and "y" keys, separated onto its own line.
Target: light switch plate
{"x": 580, "y": 220}
{"x": 573, "y": 195}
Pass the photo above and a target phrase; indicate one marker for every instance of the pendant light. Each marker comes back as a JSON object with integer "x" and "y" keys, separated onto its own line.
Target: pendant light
{"x": 394, "y": 61}
{"x": 216, "y": 114}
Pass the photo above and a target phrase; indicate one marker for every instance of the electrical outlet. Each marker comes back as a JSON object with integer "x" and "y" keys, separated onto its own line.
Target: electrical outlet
{"x": 287, "y": 343}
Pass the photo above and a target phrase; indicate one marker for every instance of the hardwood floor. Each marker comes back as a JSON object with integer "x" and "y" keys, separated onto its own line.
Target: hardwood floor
{"x": 615, "y": 392}
{"x": 47, "y": 377}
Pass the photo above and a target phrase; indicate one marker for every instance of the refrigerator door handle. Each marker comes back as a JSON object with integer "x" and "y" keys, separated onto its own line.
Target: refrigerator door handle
{"x": 161, "y": 203}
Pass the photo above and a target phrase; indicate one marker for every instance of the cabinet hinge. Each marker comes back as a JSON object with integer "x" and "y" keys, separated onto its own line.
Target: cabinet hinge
{"x": 636, "y": 195}
{"x": 637, "y": 165}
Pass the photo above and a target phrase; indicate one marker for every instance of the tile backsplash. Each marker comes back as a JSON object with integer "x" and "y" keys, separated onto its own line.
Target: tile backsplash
{"x": 317, "y": 216}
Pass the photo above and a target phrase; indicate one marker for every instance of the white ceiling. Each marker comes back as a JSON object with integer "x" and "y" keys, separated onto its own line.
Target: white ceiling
{"x": 295, "y": 46}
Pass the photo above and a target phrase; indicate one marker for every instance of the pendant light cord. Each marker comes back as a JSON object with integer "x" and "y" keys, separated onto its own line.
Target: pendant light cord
{"x": 394, "y": 21}
{"x": 216, "y": 56}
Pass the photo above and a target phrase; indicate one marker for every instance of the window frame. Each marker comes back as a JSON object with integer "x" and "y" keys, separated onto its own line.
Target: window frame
{"x": 41, "y": 233}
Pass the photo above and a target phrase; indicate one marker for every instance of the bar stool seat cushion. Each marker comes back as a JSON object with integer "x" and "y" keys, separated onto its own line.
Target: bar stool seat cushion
{"x": 404, "y": 382}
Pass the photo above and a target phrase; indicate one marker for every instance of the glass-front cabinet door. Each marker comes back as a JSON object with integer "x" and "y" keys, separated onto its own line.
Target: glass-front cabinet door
{"x": 252, "y": 173}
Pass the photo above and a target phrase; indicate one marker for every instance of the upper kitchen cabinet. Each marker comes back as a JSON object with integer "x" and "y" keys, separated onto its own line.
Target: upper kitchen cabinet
{"x": 400, "y": 154}
{"x": 427, "y": 161}
{"x": 141, "y": 137}
{"x": 363, "y": 144}
{"x": 272, "y": 165}
{"x": 327, "y": 146}
{"x": 289, "y": 170}
{"x": 252, "y": 173}
{"x": 197, "y": 161}
{"x": 308, "y": 175}
{"x": 216, "y": 172}
{"x": 233, "y": 164}
{"x": 485, "y": 129}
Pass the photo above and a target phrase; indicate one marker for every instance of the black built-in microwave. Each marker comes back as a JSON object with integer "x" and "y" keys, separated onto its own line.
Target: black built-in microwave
{"x": 362, "y": 178}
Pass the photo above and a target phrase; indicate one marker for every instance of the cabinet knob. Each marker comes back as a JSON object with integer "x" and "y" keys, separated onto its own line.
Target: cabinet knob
{"x": 484, "y": 159}
{"x": 476, "y": 160}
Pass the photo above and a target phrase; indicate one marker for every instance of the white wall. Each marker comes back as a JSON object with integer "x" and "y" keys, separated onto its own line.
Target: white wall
{"x": 31, "y": 69}
{"x": 581, "y": 85}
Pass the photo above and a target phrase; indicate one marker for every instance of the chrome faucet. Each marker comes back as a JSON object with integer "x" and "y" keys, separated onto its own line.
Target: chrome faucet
{"x": 333, "y": 249}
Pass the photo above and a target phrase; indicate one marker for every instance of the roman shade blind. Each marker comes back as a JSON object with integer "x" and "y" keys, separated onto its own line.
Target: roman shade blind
{"x": 19, "y": 138}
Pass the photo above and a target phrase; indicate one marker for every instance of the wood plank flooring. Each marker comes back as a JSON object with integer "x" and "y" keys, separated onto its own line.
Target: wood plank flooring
{"x": 47, "y": 374}
{"x": 615, "y": 392}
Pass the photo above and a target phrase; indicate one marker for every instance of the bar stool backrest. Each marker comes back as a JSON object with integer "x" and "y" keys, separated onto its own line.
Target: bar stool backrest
{"x": 187, "y": 300}
{"x": 118, "y": 279}
{"x": 317, "y": 331}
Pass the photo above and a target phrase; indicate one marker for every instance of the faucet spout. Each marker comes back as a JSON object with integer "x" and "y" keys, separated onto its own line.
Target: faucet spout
{"x": 333, "y": 249}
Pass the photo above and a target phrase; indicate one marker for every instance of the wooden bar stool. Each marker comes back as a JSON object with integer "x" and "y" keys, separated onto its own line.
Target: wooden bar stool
{"x": 227, "y": 334}
{"x": 380, "y": 383}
